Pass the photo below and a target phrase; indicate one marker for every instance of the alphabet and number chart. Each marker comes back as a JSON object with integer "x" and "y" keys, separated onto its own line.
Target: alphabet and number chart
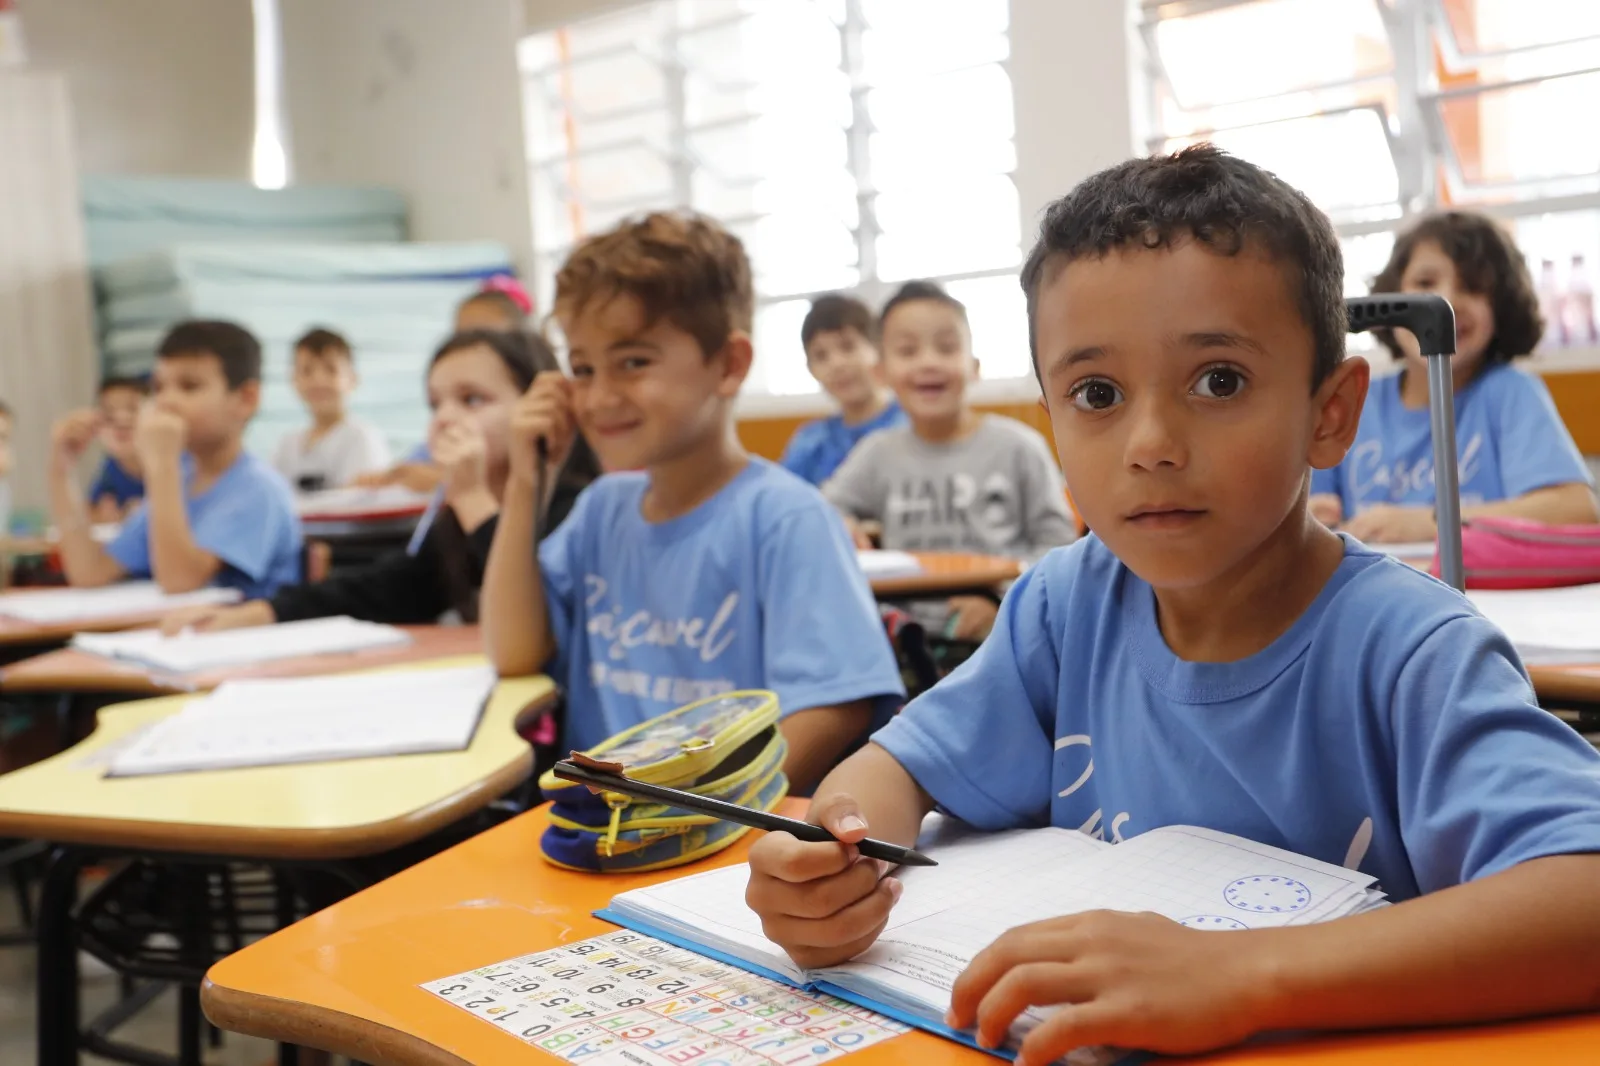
{"x": 625, "y": 999}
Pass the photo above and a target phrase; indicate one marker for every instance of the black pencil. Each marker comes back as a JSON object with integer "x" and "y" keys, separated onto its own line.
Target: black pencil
{"x": 732, "y": 812}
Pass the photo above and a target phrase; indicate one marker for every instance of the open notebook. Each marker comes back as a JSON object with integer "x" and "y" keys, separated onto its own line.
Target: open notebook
{"x": 191, "y": 652}
{"x": 352, "y": 716}
{"x": 877, "y": 563}
{"x": 54, "y": 606}
{"x": 1549, "y": 627}
{"x": 986, "y": 884}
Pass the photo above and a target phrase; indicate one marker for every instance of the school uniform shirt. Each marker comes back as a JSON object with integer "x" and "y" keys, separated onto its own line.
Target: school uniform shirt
{"x": 996, "y": 491}
{"x": 1391, "y": 729}
{"x": 115, "y": 481}
{"x": 351, "y": 448}
{"x": 1509, "y": 438}
{"x": 758, "y": 587}
{"x": 246, "y": 519}
{"x": 817, "y": 448}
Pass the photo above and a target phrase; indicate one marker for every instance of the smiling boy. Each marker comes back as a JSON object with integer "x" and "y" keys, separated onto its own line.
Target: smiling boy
{"x": 1214, "y": 656}
{"x": 706, "y": 569}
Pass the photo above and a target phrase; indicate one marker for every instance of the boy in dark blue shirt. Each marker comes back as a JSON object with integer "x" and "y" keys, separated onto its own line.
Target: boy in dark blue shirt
{"x": 119, "y": 487}
{"x": 841, "y": 348}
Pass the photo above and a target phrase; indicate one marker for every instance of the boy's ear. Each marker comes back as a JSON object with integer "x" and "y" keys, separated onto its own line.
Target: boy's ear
{"x": 977, "y": 370}
{"x": 737, "y": 354}
{"x": 248, "y": 397}
{"x": 1337, "y": 415}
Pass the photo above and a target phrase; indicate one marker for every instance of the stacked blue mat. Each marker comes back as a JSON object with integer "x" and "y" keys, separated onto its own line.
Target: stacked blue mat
{"x": 394, "y": 301}
{"x": 125, "y": 217}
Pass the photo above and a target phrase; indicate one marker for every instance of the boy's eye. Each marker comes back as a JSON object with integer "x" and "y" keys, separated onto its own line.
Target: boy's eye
{"x": 635, "y": 362}
{"x": 1095, "y": 394}
{"x": 472, "y": 400}
{"x": 1219, "y": 383}
{"x": 582, "y": 372}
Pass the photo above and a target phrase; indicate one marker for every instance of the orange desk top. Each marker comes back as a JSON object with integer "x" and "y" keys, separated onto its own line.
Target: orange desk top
{"x": 949, "y": 574}
{"x": 1578, "y": 683}
{"x": 345, "y": 979}
{"x": 71, "y": 670}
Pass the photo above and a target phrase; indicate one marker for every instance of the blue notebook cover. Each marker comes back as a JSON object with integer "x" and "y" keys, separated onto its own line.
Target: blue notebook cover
{"x": 825, "y": 987}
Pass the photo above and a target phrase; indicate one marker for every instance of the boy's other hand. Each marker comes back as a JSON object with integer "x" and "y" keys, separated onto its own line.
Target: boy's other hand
{"x": 544, "y": 413}
{"x": 972, "y": 617}
{"x": 159, "y": 437}
{"x": 462, "y": 454}
{"x": 1128, "y": 980}
{"x": 374, "y": 479}
{"x": 71, "y": 435}
{"x": 1388, "y": 524}
{"x": 822, "y": 903}
{"x": 1327, "y": 508}
{"x": 206, "y": 618}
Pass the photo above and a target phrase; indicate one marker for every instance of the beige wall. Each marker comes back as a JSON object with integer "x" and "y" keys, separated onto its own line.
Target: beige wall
{"x": 419, "y": 95}
{"x": 157, "y": 86}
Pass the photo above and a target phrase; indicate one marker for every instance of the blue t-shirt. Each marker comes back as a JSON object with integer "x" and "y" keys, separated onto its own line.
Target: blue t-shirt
{"x": 758, "y": 587}
{"x": 1509, "y": 437}
{"x": 817, "y": 448}
{"x": 117, "y": 483}
{"x": 246, "y": 519}
{"x": 1390, "y": 729}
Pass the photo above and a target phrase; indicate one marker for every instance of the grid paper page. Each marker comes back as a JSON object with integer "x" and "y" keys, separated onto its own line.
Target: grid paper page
{"x": 190, "y": 652}
{"x": 623, "y": 999}
{"x": 114, "y": 601}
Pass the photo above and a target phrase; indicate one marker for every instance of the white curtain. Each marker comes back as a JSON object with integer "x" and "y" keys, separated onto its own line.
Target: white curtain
{"x": 47, "y": 351}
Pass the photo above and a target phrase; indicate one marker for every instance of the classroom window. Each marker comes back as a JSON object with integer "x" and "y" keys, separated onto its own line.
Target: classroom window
{"x": 851, "y": 144}
{"x": 1383, "y": 110}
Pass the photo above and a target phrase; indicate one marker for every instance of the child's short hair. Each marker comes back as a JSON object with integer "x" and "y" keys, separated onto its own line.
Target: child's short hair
{"x": 141, "y": 385}
{"x": 680, "y": 265}
{"x": 525, "y": 355}
{"x": 836, "y": 311}
{"x": 920, "y": 290}
{"x": 1217, "y": 199}
{"x": 1488, "y": 263}
{"x": 323, "y": 342}
{"x": 235, "y": 347}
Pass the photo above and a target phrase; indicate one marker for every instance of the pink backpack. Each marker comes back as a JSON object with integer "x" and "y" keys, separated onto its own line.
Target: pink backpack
{"x": 1516, "y": 553}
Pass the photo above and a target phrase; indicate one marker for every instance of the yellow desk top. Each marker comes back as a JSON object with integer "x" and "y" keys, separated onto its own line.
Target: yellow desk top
{"x": 310, "y": 810}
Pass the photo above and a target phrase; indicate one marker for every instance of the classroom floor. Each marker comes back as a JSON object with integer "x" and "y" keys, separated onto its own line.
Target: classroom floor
{"x": 156, "y": 1028}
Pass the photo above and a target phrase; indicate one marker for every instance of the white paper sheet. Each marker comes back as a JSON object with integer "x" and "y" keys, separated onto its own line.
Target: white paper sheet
{"x": 56, "y": 606}
{"x": 190, "y": 652}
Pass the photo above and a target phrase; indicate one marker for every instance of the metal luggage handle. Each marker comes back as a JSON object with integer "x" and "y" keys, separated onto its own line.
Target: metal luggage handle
{"x": 1432, "y": 321}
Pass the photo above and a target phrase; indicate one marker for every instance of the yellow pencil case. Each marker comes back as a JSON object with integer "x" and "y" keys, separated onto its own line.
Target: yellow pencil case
{"x": 727, "y": 747}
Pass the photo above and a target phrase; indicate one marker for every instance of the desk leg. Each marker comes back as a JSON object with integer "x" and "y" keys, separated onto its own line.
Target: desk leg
{"x": 57, "y": 980}
{"x": 66, "y": 721}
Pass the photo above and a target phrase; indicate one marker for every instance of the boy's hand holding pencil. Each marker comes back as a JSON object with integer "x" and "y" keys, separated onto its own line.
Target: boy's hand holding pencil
{"x": 822, "y": 903}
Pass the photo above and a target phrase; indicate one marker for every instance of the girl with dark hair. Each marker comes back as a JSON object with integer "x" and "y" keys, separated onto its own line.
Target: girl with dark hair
{"x": 1517, "y": 458}
{"x": 474, "y": 380}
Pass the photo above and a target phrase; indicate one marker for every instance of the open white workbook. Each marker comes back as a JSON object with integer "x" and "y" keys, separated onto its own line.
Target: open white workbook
{"x": 63, "y": 605}
{"x": 189, "y": 652}
{"x": 986, "y": 884}
{"x": 320, "y": 719}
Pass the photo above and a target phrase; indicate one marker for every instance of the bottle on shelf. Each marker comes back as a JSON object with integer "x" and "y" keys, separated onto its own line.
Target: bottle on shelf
{"x": 1581, "y": 327}
{"x": 1552, "y": 306}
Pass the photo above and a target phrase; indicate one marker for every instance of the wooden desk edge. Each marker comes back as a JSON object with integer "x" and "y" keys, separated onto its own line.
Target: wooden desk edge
{"x": 1565, "y": 683}
{"x": 288, "y": 1021}
{"x": 345, "y": 842}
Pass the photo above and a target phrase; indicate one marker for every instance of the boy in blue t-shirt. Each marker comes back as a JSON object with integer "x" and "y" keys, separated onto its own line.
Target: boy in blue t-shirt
{"x": 842, "y": 354}
{"x": 118, "y": 488}
{"x": 1516, "y": 457}
{"x": 1214, "y": 656}
{"x": 213, "y": 513}
{"x": 702, "y": 570}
